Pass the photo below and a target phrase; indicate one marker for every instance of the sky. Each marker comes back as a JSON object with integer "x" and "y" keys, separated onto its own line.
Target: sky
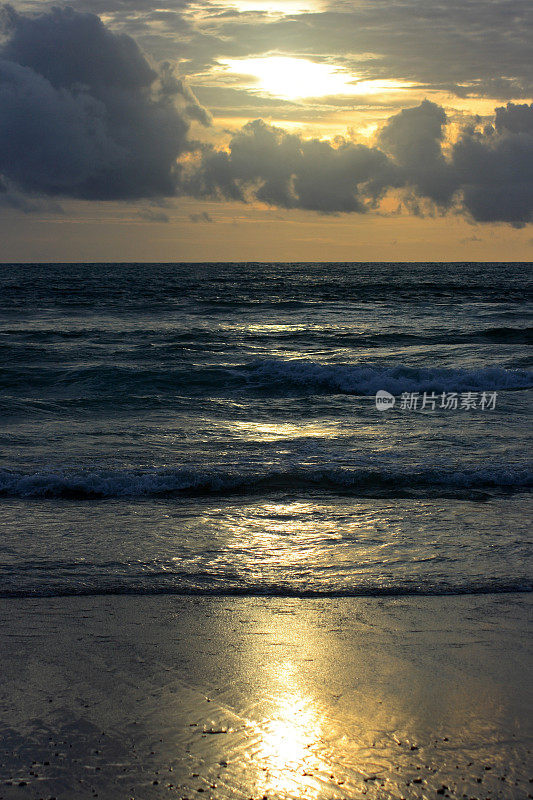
{"x": 261, "y": 130}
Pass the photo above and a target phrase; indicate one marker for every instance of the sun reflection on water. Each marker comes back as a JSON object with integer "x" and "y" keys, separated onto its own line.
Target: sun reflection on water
{"x": 284, "y": 430}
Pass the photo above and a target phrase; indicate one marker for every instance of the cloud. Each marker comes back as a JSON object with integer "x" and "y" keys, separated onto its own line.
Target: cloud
{"x": 283, "y": 169}
{"x": 515, "y": 119}
{"x": 153, "y": 215}
{"x": 494, "y": 167}
{"x": 487, "y": 174}
{"x": 127, "y": 6}
{"x": 201, "y": 217}
{"x": 82, "y": 112}
{"x": 414, "y": 137}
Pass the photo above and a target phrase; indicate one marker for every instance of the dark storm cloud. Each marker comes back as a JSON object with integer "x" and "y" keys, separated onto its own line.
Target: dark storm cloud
{"x": 285, "y": 170}
{"x": 414, "y": 138}
{"x": 494, "y": 167}
{"x": 487, "y": 173}
{"x": 82, "y": 112}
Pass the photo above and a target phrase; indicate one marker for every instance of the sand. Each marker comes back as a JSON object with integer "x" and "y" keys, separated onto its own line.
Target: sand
{"x": 172, "y": 697}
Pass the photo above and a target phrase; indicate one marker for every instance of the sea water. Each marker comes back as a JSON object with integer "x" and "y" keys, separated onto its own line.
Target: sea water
{"x": 213, "y": 429}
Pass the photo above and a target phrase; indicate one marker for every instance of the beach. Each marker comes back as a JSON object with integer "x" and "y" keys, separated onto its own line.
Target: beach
{"x": 252, "y": 697}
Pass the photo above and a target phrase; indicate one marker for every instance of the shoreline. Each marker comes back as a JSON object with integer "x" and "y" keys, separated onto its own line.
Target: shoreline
{"x": 266, "y": 594}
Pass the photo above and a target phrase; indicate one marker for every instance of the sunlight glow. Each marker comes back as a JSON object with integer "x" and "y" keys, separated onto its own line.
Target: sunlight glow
{"x": 293, "y": 78}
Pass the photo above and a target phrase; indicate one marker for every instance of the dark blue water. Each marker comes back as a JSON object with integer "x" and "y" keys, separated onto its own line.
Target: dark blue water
{"x": 213, "y": 428}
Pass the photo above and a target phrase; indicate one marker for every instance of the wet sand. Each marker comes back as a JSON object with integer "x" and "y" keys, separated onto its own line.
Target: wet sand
{"x": 150, "y": 697}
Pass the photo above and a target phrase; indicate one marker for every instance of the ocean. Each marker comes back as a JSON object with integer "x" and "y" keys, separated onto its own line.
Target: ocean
{"x": 212, "y": 429}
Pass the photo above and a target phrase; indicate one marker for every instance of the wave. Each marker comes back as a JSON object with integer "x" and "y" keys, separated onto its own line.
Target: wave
{"x": 367, "y": 379}
{"x": 276, "y": 376}
{"x": 105, "y": 484}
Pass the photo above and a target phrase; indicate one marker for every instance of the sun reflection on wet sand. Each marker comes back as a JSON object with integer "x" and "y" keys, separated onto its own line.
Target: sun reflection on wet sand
{"x": 287, "y": 739}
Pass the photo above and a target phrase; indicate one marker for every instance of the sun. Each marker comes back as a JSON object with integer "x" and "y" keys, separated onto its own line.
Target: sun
{"x": 293, "y": 78}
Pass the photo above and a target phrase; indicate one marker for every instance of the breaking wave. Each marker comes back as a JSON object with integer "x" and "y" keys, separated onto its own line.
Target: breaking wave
{"x": 102, "y": 484}
{"x": 366, "y": 379}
